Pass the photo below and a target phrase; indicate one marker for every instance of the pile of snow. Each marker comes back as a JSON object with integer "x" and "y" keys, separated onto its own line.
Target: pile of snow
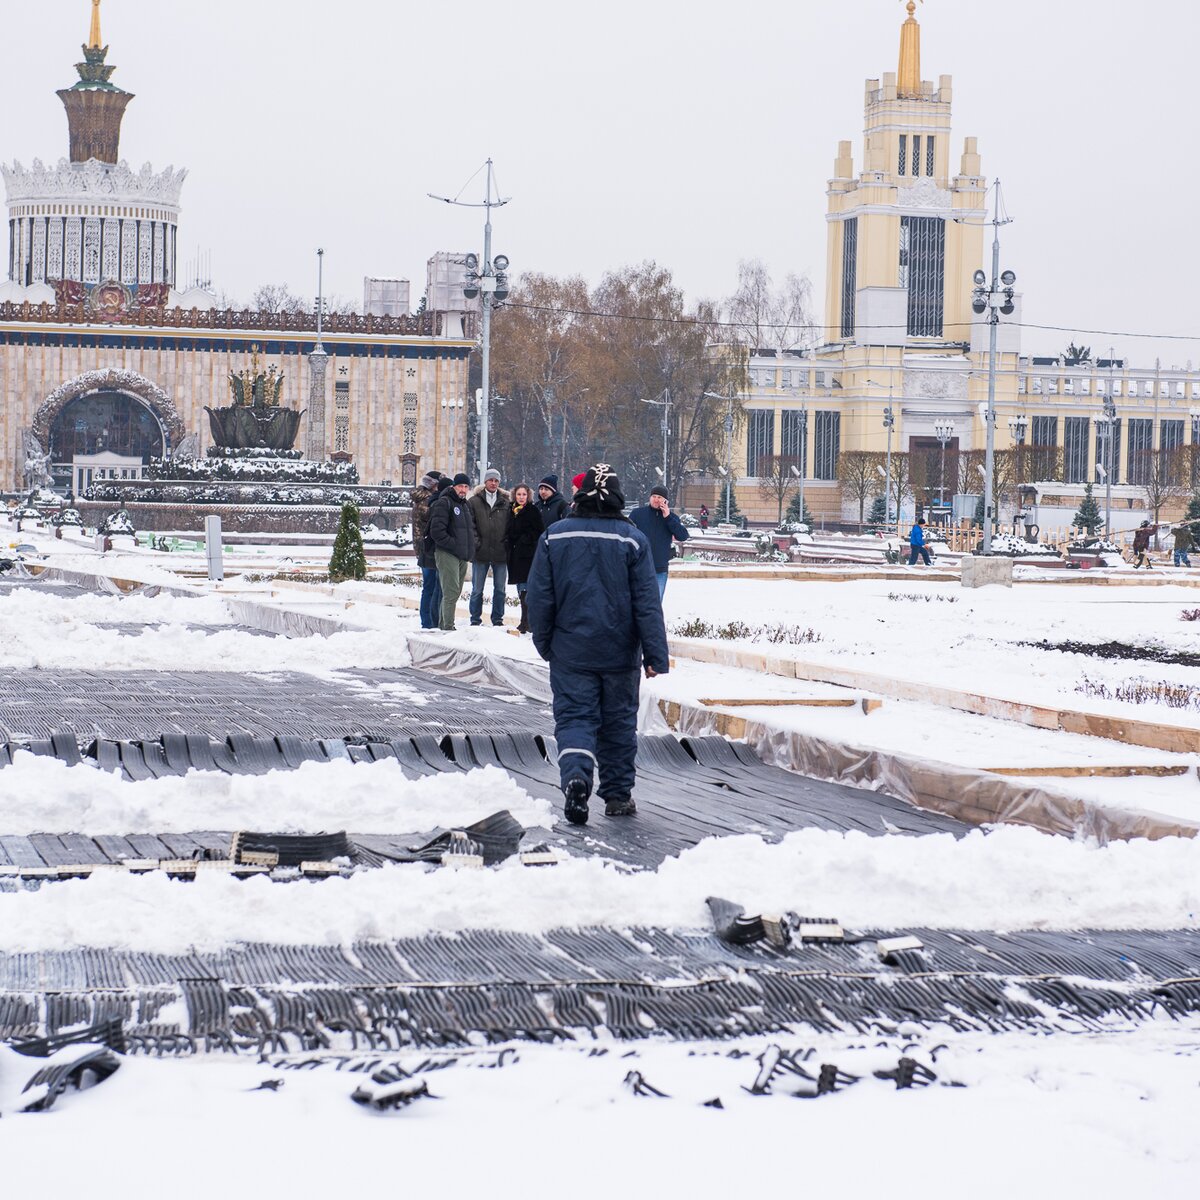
{"x": 1015, "y": 547}
{"x": 38, "y": 794}
{"x": 1012, "y": 878}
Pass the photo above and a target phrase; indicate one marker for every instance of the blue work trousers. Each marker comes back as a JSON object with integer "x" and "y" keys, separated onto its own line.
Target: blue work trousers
{"x": 595, "y": 722}
{"x": 912, "y": 558}
{"x": 431, "y": 598}
{"x": 479, "y": 574}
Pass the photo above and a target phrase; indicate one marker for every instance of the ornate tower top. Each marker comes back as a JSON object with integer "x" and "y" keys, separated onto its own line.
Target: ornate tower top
{"x": 94, "y": 41}
{"x": 908, "y": 79}
{"x": 95, "y": 105}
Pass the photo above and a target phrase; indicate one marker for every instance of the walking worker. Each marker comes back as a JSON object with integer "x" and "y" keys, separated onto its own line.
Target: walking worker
{"x": 489, "y": 506}
{"x": 596, "y": 617}
{"x": 550, "y": 505}
{"x": 662, "y": 527}
{"x": 452, "y": 528}
{"x": 1183, "y": 543}
{"x": 524, "y": 532}
{"x": 916, "y": 544}
{"x": 1141, "y": 544}
{"x": 423, "y": 496}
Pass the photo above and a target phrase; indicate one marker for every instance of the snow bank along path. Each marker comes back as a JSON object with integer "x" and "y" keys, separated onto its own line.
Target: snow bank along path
{"x": 1010, "y": 878}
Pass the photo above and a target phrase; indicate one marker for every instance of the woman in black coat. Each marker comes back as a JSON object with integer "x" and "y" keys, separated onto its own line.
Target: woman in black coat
{"x": 522, "y": 541}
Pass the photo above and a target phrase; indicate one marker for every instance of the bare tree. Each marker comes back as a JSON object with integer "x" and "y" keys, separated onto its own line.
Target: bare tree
{"x": 1163, "y": 475}
{"x": 278, "y": 298}
{"x": 776, "y": 481}
{"x": 858, "y": 476}
{"x": 900, "y": 484}
{"x": 766, "y": 317}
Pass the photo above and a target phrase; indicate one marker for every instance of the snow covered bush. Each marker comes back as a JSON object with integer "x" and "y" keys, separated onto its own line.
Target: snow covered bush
{"x": 1014, "y": 547}
{"x": 793, "y": 527}
{"x": 689, "y": 522}
{"x": 118, "y": 524}
{"x": 68, "y": 517}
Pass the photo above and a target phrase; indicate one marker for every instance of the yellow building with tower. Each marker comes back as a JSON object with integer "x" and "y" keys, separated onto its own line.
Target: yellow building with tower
{"x": 908, "y": 227}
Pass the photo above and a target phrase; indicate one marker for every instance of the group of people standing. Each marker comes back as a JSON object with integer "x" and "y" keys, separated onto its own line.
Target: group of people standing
{"x": 490, "y": 530}
{"x": 591, "y": 582}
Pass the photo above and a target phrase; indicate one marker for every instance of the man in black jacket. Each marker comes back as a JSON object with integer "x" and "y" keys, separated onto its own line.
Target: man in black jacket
{"x": 550, "y": 504}
{"x": 452, "y": 528}
{"x": 596, "y": 616}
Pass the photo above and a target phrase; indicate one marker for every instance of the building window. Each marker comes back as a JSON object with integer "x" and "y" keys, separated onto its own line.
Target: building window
{"x": 916, "y": 155}
{"x": 760, "y": 440}
{"x": 903, "y": 155}
{"x": 827, "y": 445}
{"x": 1113, "y": 469}
{"x": 1141, "y": 445}
{"x": 1043, "y": 444}
{"x": 793, "y": 437}
{"x": 930, "y": 156}
{"x": 1170, "y": 442}
{"x": 849, "y": 274}
{"x": 922, "y": 272}
{"x": 1075, "y": 448}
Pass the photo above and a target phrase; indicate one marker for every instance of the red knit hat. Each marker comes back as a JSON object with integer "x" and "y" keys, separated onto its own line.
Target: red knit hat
{"x": 577, "y": 482}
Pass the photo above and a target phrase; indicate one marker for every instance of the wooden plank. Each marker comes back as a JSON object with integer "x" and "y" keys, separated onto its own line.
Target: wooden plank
{"x": 797, "y": 701}
{"x": 1176, "y": 739}
{"x": 1158, "y": 772}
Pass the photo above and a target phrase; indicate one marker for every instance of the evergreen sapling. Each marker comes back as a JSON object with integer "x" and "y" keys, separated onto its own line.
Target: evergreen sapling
{"x": 1088, "y": 518}
{"x": 349, "y": 561}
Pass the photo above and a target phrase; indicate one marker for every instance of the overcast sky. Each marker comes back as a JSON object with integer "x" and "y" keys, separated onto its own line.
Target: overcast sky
{"x": 693, "y": 132}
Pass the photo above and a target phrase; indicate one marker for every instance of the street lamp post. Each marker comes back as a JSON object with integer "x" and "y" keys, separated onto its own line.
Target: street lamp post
{"x": 665, "y": 404}
{"x": 490, "y": 277}
{"x": 1016, "y": 427}
{"x": 944, "y": 432}
{"x": 1108, "y": 422}
{"x": 994, "y": 298}
{"x": 728, "y": 445}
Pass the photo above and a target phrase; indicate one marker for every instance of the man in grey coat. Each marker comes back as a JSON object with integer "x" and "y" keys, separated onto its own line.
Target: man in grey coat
{"x": 491, "y": 508}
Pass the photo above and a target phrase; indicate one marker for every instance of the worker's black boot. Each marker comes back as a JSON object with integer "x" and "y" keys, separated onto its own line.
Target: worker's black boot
{"x": 619, "y": 806}
{"x": 576, "y": 808}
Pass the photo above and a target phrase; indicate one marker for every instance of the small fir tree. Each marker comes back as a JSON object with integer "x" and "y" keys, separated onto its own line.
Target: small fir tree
{"x": 1193, "y": 509}
{"x": 349, "y": 561}
{"x": 717, "y": 516}
{"x": 793, "y": 512}
{"x": 1088, "y": 518}
{"x": 878, "y": 511}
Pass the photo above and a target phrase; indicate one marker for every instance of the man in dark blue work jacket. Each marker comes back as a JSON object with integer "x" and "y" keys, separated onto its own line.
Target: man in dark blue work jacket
{"x": 596, "y": 617}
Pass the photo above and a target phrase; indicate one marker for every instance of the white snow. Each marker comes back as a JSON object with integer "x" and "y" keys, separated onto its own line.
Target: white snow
{"x": 1011, "y": 878}
{"x": 40, "y": 794}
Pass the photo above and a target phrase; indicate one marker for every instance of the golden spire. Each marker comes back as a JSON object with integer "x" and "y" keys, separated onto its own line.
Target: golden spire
{"x": 94, "y": 40}
{"x": 908, "y": 80}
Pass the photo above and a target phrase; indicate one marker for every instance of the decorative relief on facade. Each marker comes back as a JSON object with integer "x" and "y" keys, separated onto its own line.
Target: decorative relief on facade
{"x": 73, "y": 264}
{"x": 129, "y": 256}
{"x": 113, "y": 183}
{"x": 145, "y": 261}
{"x": 158, "y": 253}
{"x": 39, "y": 250}
{"x": 410, "y": 402}
{"x": 410, "y": 435}
{"x": 925, "y": 193}
{"x": 91, "y": 250}
{"x": 935, "y": 385}
{"x": 114, "y": 380}
{"x": 110, "y": 266}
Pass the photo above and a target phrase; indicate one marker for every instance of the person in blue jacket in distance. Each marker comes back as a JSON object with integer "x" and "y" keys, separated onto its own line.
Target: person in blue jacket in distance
{"x": 656, "y": 520}
{"x": 596, "y": 616}
{"x": 916, "y": 544}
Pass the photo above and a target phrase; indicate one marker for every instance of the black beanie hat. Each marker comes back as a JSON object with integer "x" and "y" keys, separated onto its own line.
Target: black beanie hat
{"x": 601, "y": 491}
{"x": 660, "y": 491}
{"x": 461, "y": 477}
{"x": 444, "y": 484}
{"x": 551, "y": 481}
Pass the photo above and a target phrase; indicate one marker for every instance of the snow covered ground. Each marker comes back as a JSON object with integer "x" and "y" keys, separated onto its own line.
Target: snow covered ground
{"x": 1067, "y": 1115}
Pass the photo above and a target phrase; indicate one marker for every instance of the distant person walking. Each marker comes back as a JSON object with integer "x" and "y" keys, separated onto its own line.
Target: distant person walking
{"x": 452, "y": 528}
{"x": 704, "y": 518}
{"x": 490, "y": 508}
{"x": 1141, "y": 545}
{"x": 524, "y": 532}
{"x": 550, "y": 504}
{"x": 596, "y": 617}
{"x": 917, "y": 546}
{"x": 1183, "y": 543}
{"x": 423, "y": 496}
{"x": 661, "y": 527}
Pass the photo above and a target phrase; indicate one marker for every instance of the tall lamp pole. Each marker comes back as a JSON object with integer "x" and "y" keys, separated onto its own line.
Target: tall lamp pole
{"x": 993, "y": 299}
{"x": 490, "y": 277}
{"x": 728, "y": 445}
{"x": 889, "y": 422}
{"x": 1016, "y": 427}
{"x": 944, "y": 432}
{"x": 665, "y": 404}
